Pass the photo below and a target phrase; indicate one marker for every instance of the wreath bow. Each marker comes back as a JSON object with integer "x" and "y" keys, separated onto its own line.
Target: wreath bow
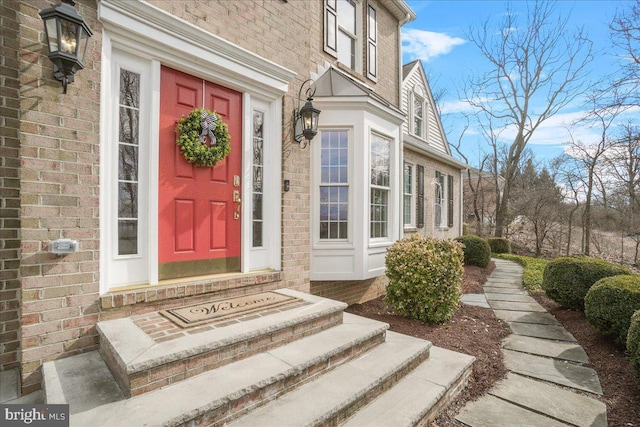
{"x": 208, "y": 123}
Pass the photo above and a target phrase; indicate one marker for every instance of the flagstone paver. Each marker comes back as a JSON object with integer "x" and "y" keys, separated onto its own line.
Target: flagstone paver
{"x": 548, "y": 378}
{"x": 517, "y": 306}
{"x": 477, "y": 300}
{"x": 556, "y": 402}
{"x": 526, "y": 317}
{"x": 509, "y": 297}
{"x": 556, "y": 371}
{"x": 550, "y": 332}
{"x": 489, "y": 411}
{"x": 512, "y": 291}
{"x": 543, "y": 347}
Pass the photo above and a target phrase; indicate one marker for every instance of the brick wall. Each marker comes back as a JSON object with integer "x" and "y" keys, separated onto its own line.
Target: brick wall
{"x": 351, "y": 292}
{"x": 59, "y": 155}
{"x": 9, "y": 189}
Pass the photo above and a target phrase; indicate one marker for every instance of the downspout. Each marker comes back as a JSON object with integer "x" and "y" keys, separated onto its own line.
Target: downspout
{"x": 401, "y": 23}
{"x": 461, "y": 221}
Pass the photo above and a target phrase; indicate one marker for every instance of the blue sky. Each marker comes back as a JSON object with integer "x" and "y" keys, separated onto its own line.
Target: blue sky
{"x": 438, "y": 38}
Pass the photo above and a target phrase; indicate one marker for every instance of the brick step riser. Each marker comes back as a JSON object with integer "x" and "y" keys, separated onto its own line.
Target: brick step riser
{"x": 137, "y": 383}
{"x": 446, "y": 399}
{"x": 220, "y": 416}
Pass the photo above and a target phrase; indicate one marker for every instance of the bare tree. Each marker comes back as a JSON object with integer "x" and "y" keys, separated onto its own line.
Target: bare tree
{"x": 571, "y": 179}
{"x": 622, "y": 162}
{"x": 537, "y": 68}
{"x": 589, "y": 156}
{"x": 625, "y": 35}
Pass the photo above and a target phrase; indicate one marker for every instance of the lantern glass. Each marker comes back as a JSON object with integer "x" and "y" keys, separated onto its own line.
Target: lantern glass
{"x": 52, "y": 33}
{"x": 83, "y": 42}
{"x": 68, "y": 37}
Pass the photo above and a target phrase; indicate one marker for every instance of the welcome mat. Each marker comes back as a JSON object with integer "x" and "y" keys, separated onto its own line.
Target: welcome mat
{"x": 198, "y": 314}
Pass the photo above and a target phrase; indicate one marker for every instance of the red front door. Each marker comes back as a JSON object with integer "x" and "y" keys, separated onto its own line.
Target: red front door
{"x": 199, "y": 221}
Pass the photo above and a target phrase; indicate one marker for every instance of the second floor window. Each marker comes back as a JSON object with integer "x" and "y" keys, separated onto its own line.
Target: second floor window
{"x": 343, "y": 32}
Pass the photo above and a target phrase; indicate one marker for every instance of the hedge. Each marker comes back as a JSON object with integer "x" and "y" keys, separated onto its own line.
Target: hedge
{"x": 610, "y": 303}
{"x": 567, "y": 280}
{"x": 425, "y": 275}
{"x": 499, "y": 245}
{"x": 476, "y": 250}
{"x": 633, "y": 343}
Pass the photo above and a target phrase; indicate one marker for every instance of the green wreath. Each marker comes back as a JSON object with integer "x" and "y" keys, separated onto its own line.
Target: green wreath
{"x": 203, "y": 137}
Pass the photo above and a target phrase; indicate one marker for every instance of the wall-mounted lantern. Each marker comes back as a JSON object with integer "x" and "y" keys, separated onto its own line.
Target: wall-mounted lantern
{"x": 67, "y": 39}
{"x": 305, "y": 119}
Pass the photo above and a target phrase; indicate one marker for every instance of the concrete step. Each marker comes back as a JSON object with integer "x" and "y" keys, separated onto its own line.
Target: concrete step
{"x": 217, "y": 396}
{"x": 436, "y": 382}
{"x": 335, "y": 396}
{"x": 142, "y": 363}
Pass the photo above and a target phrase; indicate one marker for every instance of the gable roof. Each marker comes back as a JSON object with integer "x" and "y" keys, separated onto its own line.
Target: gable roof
{"x": 413, "y": 74}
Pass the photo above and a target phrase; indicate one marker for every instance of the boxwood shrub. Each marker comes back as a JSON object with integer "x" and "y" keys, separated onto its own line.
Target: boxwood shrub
{"x": 499, "y": 245}
{"x": 633, "y": 343}
{"x": 567, "y": 280}
{"x": 425, "y": 275}
{"x": 610, "y": 303}
{"x": 476, "y": 250}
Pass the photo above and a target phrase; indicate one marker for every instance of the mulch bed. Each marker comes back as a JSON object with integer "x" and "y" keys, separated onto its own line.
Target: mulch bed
{"x": 476, "y": 331}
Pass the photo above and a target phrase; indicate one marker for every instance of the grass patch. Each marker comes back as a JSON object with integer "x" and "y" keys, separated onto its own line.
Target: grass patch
{"x": 533, "y": 270}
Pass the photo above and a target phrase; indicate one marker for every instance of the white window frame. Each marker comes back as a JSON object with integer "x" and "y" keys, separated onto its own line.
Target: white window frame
{"x": 411, "y": 195}
{"x": 132, "y": 27}
{"x": 443, "y": 202}
{"x": 332, "y": 30}
{"x": 388, "y": 188}
{"x": 317, "y": 178}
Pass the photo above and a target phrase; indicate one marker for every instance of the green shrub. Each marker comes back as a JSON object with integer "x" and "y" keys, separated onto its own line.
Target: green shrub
{"x": 533, "y": 270}
{"x": 633, "y": 343}
{"x": 476, "y": 250}
{"x": 424, "y": 277}
{"x": 610, "y": 303}
{"x": 567, "y": 280}
{"x": 499, "y": 245}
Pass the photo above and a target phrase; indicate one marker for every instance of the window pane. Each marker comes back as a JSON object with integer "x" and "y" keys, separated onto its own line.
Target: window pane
{"x": 128, "y": 237}
{"x": 346, "y": 49}
{"x": 379, "y": 212}
{"x": 334, "y": 189}
{"x": 128, "y": 200}
{"x": 128, "y": 161}
{"x": 347, "y": 15}
{"x": 258, "y": 173}
{"x": 129, "y": 89}
{"x": 380, "y": 160}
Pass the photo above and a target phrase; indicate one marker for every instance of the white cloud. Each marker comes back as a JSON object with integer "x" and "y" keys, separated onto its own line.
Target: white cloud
{"x": 555, "y": 130}
{"x": 425, "y": 45}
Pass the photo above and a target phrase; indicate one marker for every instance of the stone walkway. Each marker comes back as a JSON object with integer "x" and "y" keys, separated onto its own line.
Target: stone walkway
{"x": 549, "y": 382}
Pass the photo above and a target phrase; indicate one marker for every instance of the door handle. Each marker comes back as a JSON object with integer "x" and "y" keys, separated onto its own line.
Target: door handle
{"x": 238, "y": 200}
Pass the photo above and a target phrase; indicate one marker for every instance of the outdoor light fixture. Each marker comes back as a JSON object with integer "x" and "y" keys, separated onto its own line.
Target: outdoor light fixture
{"x": 305, "y": 119}
{"x": 67, "y": 38}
